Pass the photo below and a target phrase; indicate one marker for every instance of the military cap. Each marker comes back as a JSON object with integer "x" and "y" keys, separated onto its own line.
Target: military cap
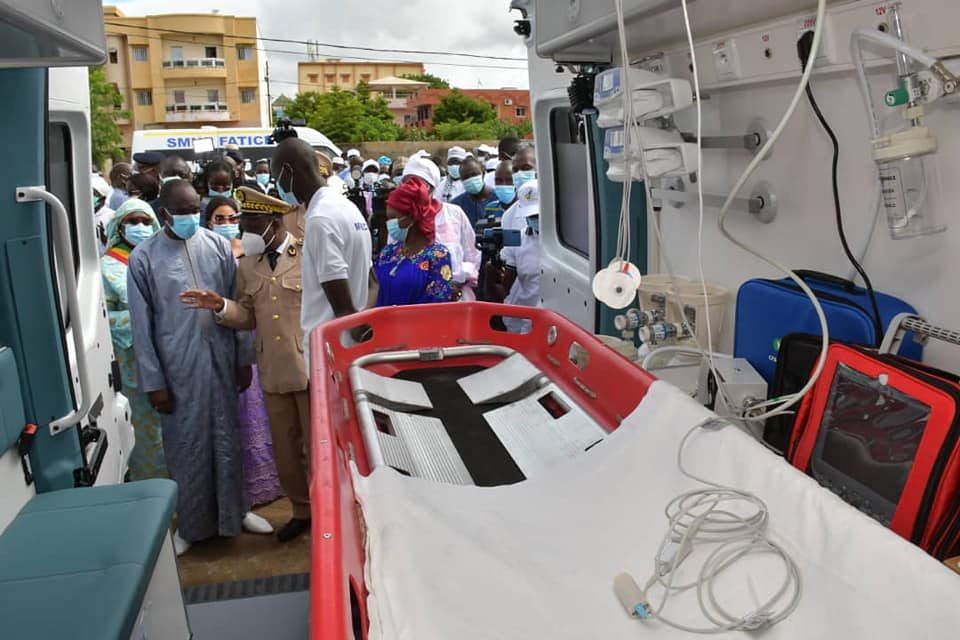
{"x": 254, "y": 202}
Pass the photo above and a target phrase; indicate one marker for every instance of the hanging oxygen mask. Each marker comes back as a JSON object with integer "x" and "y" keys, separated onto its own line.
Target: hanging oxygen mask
{"x": 906, "y": 152}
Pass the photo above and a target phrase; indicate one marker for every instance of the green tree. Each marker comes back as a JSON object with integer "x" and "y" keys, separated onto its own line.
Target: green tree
{"x": 456, "y": 107}
{"x": 436, "y": 82}
{"x": 105, "y": 100}
{"x": 344, "y": 117}
{"x": 465, "y": 130}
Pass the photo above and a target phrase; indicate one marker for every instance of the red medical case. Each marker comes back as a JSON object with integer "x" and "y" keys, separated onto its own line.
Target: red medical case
{"x": 883, "y": 433}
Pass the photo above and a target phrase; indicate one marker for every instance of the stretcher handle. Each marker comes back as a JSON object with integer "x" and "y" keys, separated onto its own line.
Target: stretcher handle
{"x": 905, "y": 322}
{"x": 843, "y": 283}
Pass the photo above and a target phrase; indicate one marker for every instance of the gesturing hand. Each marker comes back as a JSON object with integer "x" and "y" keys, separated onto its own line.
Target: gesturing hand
{"x": 201, "y": 299}
{"x": 162, "y": 401}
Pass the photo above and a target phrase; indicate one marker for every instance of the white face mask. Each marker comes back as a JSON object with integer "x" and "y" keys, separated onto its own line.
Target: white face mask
{"x": 370, "y": 179}
{"x": 254, "y": 244}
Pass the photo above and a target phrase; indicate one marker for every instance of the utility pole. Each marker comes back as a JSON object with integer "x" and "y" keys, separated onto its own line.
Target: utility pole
{"x": 269, "y": 98}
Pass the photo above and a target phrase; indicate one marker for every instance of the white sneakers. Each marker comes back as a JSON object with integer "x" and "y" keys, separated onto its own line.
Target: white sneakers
{"x": 252, "y": 523}
{"x": 180, "y": 546}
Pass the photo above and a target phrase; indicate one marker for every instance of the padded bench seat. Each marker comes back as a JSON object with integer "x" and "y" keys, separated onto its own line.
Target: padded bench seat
{"x": 76, "y": 563}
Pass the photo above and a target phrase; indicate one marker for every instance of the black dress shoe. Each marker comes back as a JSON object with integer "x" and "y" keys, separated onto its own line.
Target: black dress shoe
{"x": 292, "y": 529}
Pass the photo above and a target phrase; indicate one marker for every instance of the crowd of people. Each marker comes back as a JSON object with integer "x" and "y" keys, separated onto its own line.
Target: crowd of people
{"x": 214, "y": 281}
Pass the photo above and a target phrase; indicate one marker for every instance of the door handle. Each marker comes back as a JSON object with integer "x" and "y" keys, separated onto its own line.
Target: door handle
{"x": 63, "y": 245}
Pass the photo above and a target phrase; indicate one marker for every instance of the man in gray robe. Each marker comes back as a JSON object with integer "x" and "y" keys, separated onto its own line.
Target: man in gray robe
{"x": 191, "y": 367}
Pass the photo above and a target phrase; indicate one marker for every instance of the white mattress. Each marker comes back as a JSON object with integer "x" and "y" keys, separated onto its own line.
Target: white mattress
{"x": 537, "y": 559}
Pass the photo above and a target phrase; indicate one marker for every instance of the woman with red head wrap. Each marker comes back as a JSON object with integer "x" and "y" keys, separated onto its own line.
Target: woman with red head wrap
{"x": 413, "y": 268}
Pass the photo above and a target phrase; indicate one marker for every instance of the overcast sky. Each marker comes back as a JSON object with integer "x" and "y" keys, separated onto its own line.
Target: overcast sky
{"x": 479, "y": 26}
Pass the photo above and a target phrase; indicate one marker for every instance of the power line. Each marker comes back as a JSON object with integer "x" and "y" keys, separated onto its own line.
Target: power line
{"x": 334, "y": 46}
{"x": 304, "y": 54}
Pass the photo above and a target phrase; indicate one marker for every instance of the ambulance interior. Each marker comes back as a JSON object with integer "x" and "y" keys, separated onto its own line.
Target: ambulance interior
{"x": 609, "y": 472}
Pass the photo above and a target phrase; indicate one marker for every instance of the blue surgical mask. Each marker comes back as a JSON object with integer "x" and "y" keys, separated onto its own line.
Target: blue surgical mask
{"x": 473, "y": 185}
{"x": 224, "y": 194}
{"x": 534, "y": 223}
{"x": 287, "y": 197}
{"x": 454, "y": 171}
{"x": 228, "y": 231}
{"x": 522, "y": 177}
{"x": 185, "y": 225}
{"x": 395, "y": 231}
{"x": 137, "y": 233}
{"x": 263, "y": 178}
{"x": 506, "y": 193}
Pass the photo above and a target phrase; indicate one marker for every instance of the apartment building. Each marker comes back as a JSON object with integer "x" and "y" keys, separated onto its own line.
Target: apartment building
{"x": 512, "y": 105}
{"x": 322, "y": 76}
{"x": 179, "y": 71}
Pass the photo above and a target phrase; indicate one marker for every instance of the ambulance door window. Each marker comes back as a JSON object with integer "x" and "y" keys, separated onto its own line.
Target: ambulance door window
{"x": 571, "y": 193}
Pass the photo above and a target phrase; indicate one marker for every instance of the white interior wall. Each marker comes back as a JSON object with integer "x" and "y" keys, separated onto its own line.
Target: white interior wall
{"x": 921, "y": 271}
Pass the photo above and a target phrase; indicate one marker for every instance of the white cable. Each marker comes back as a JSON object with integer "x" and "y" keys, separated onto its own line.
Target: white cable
{"x": 781, "y": 405}
{"x": 711, "y": 518}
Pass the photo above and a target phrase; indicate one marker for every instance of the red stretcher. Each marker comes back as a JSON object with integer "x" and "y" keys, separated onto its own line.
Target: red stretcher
{"x": 602, "y": 384}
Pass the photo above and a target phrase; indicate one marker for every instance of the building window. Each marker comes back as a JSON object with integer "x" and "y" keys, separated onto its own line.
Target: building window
{"x": 248, "y": 95}
{"x": 521, "y": 112}
{"x": 345, "y": 78}
{"x": 144, "y": 97}
{"x": 330, "y": 77}
{"x": 313, "y": 78}
{"x": 213, "y": 95}
{"x": 176, "y": 53}
{"x": 140, "y": 53}
{"x": 244, "y": 52}
{"x": 365, "y": 77}
{"x": 210, "y": 52}
{"x": 113, "y": 56}
{"x": 180, "y": 97}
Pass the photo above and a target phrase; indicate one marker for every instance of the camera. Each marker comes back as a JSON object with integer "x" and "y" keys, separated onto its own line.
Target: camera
{"x": 285, "y": 129}
{"x": 491, "y": 238}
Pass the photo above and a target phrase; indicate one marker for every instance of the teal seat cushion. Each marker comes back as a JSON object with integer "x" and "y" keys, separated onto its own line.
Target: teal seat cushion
{"x": 76, "y": 563}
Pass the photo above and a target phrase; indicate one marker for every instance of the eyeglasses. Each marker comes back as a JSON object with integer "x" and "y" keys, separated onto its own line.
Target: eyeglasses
{"x": 226, "y": 219}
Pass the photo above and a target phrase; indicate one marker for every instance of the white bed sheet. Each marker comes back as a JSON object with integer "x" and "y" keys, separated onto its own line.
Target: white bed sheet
{"x": 537, "y": 559}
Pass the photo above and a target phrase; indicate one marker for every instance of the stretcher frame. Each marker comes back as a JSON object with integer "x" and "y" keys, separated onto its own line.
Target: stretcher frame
{"x": 607, "y": 386}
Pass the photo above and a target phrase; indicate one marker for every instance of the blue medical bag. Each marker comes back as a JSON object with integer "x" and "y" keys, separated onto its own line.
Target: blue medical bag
{"x": 768, "y": 310}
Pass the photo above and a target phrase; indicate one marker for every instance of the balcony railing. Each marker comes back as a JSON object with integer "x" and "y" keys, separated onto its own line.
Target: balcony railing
{"x": 209, "y": 63}
{"x": 182, "y": 112}
{"x": 201, "y": 106}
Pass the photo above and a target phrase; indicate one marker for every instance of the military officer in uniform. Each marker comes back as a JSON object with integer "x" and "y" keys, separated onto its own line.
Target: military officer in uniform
{"x": 268, "y": 299}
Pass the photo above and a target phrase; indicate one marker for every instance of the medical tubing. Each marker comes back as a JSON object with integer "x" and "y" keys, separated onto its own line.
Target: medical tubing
{"x": 856, "y": 54}
{"x": 835, "y": 171}
{"x": 879, "y": 37}
{"x": 706, "y": 516}
{"x": 877, "y": 208}
{"x": 700, "y": 272}
{"x": 677, "y": 349}
{"x": 786, "y": 402}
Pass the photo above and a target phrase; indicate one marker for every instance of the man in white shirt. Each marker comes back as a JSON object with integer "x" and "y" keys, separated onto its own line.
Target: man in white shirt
{"x": 337, "y": 250}
{"x": 522, "y": 273}
{"x": 451, "y": 187}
